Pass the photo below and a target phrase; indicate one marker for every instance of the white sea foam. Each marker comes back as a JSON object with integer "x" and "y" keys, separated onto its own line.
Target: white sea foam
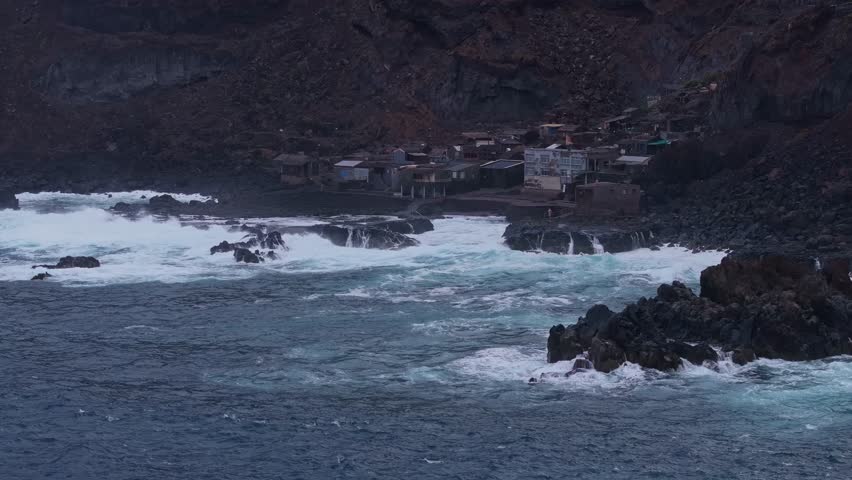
{"x": 799, "y": 391}
{"x": 459, "y": 252}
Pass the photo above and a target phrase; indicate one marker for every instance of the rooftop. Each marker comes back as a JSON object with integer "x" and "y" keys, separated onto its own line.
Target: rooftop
{"x": 461, "y": 166}
{"x": 292, "y": 159}
{"x": 602, "y": 185}
{"x": 502, "y": 164}
{"x": 633, "y": 160}
{"x": 348, "y": 163}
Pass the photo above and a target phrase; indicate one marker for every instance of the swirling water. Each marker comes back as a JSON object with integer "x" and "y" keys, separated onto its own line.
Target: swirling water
{"x": 168, "y": 362}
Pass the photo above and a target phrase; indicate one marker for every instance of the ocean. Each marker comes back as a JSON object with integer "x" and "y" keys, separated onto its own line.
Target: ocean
{"x": 337, "y": 362}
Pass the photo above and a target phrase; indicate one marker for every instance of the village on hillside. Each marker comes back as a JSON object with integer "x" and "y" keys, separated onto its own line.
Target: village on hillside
{"x": 582, "y": 168}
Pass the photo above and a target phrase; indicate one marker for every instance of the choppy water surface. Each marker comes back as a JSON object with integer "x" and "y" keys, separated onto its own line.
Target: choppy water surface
{"x": 349, "y": 363}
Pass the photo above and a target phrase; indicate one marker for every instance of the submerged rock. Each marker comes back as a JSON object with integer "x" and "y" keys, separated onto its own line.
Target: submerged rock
{"x": 770, "y": 307}
{"x": 360, "y": 236}
{"x": 73, "y": 262}
{"x": 42, "y": 276}
{"x": 257, "y": 238}
{"x": 410, "y": 226}
{"x": 8, "y": 200}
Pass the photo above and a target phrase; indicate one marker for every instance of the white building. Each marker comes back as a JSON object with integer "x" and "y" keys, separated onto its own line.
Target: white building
{"x": 564, "y": 162}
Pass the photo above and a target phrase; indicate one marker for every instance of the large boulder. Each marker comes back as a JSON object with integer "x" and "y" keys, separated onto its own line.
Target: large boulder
{"x": 8, "y": 200}
{"x": 73, "y": 262}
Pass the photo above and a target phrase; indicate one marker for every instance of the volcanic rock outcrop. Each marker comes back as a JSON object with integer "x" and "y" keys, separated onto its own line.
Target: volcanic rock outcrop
{"x": 762, "y": 307}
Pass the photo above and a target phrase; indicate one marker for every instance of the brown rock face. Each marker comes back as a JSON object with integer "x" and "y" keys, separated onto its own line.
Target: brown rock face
{"x": 108, "y": 89}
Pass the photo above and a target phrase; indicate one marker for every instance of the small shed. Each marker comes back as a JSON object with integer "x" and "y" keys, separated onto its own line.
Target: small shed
{"x": 298, "y": 168}
{"x": 608, "y": 198}
{"x": 350, "y": 171}
{"x": 501, "y": 174}
{"x": 549, "y": 130}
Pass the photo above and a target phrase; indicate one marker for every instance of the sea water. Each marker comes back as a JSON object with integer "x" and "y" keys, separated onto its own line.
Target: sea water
{"x": 335, "y": 362}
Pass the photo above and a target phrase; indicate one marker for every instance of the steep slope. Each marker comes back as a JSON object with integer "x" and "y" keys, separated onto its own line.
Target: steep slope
{"x": 110, "y": 92}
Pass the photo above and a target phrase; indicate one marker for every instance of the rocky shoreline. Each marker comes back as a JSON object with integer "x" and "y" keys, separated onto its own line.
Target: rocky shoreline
{"x": 772, "y": 306}
{"x": 786, "y": 305}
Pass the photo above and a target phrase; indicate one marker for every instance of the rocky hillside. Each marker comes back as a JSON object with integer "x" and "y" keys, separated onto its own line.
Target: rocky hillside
{"x": 109, "y": 92}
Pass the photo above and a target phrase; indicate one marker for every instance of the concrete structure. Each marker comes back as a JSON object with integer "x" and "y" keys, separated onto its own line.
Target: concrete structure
{"x": 608, "y": 198}
{"x": 543, "y": 184}
{"x": 501, "y": 174}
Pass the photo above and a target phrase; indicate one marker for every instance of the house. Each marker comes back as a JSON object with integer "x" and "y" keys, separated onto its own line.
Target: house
{"x": 483, "y": 153}
{"x": 549, "y": 130}
{"x": 615, "y": 123}
{"x": 562, "y": 161}
{"x": 501, "y": 174}
{"x": 386, "y": 175}
{"x": 399, "y": 156}
{"x": 299, "y": 169}
{"x": 351, "y": 172}
{"x": 464, "y": 177}
{"x": 427, "y": 181}
{"x": 585, "y": 138}
{"x": 631, "y": 164}
{"x": 477, "y": 139}
{"x": 608, "y": 198}
{"x": 414, "y": 152}
{"x": 440, "y": 155}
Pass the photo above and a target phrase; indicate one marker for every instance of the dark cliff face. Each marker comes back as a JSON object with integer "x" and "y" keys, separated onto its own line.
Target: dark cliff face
{"x": 201, "y": 87}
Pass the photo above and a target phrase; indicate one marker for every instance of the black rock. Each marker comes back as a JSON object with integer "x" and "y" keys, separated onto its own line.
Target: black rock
{"x": 411, "y": 226}
{"x": 8, "y": 200}
{"x": 224, "y": 247}
{"x": 768, "y": 306}
{"x": 570, "y": 239}
{"x": 247, "y": 256}
{"x": 42, "y": 276}
{"x": 271, "y": 240}
{"x": 363, "y": 237}
{"x": 73, "y": 262}
{"x": 122, "y": 207}
{"x": 162, "y": 203}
